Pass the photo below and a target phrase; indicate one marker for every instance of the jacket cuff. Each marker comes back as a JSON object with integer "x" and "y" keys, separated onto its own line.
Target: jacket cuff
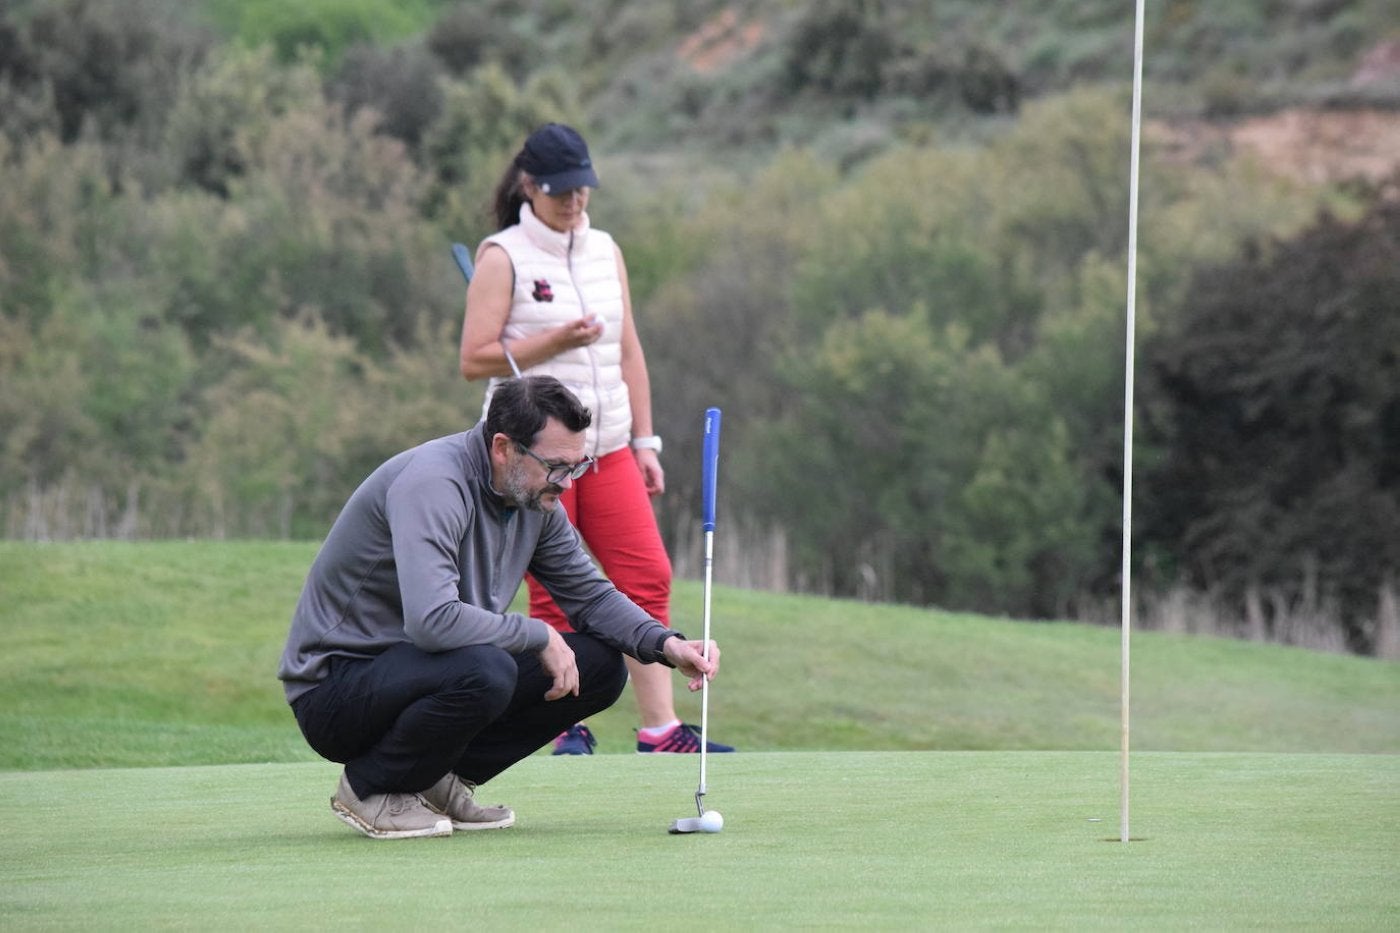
{"x": 654, "y": 647}
{"x": 538, "y": 635}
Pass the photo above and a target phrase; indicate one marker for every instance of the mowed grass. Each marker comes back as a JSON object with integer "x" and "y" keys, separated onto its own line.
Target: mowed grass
{"x": 899, "y": 840}
{"x": 901, "y": 768}
{"x": 164, "y": 653}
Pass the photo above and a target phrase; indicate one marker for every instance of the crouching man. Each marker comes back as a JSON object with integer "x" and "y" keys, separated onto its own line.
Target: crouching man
{"x": 403, "y": 662}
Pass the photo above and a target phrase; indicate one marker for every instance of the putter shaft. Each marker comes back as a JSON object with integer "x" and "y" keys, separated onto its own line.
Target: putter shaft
{"x": 705, "y": 684}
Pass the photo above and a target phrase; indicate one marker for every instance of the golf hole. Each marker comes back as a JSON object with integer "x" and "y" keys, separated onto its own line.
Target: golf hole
{"x": 1130, "y": 839}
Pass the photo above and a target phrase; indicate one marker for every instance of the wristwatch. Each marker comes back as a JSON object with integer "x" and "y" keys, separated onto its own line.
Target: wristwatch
{"x": 652, "y": 442}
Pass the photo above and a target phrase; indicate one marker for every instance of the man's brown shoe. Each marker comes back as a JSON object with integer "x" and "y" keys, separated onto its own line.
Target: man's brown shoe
{"x": 388, "y": 816}
{"x": 455, "y": 798}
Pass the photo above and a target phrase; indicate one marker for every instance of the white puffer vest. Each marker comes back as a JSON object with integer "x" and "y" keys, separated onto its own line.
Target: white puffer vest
{"x": 559, "y": 277}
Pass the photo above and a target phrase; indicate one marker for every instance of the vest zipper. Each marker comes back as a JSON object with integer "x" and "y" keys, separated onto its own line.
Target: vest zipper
{"x": 592, "y": 354}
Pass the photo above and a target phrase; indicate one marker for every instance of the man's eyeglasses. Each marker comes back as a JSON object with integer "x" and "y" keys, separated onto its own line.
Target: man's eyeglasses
{"x": 556, "y": 473}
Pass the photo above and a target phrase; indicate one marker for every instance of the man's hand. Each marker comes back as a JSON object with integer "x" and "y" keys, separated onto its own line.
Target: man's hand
{"x": 689, "y": 658}
{"x": 558, "y": 659}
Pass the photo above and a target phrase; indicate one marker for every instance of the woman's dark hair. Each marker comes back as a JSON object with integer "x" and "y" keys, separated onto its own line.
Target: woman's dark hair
{"x": 509, "y": 196}
{"x": 520, "y": 407}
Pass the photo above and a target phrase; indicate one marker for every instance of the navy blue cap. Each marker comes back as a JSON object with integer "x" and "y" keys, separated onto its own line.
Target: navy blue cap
{"x": 556, "y": 157}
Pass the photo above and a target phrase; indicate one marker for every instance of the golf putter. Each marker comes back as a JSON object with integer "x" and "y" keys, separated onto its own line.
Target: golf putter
{"x": 464, "y": 261}
{"x": 703, "y": 822}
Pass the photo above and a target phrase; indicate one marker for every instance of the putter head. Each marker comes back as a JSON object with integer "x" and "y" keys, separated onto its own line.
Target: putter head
{"x": 709, "y": 822}
{"x": 687, "y": 824}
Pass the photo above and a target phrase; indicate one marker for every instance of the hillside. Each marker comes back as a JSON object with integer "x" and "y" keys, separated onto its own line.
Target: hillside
{"x": 134, "y": 655}
{"x": 1310, "y": 145}
{"x": 888, "y": 238}
{"x": 850, "y": 78}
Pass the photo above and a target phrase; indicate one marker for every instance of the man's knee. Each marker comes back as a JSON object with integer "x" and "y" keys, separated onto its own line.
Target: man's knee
{"x": 615, "y": 678}
{"x": 483, "y": 675}
{"x": 602, "y": 673}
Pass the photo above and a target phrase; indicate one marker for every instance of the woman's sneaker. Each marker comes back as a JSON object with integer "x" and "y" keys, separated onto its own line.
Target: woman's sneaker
{"x": 388, "y": 816}
{"x": 575, "y": 740}
{"x": 455, "y": 798}
{"x": 683, "y": 738}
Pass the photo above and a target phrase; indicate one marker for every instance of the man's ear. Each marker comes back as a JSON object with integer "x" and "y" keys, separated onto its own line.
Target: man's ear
{"x": 500, "y": 446}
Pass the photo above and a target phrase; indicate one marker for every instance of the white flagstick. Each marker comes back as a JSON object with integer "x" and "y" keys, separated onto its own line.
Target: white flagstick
{"x": 1130, "y": 359}
{"x": 709, "y": 474}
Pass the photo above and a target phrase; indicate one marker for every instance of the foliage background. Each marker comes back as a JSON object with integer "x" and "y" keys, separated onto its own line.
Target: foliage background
{"x": 888, "y": 238}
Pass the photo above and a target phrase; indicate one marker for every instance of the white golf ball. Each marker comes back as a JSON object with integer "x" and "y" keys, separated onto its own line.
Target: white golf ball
{"x": 711, "y": 821}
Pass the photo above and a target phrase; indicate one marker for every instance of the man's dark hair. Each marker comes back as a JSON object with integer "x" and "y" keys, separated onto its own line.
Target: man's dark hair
{"x": 520, "y": 407}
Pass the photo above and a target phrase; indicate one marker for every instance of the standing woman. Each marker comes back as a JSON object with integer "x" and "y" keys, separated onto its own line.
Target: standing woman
{"x": 550, "y": 297}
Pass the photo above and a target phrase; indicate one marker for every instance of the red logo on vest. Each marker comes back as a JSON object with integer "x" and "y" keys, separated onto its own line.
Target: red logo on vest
{"x": 543, "y": 291}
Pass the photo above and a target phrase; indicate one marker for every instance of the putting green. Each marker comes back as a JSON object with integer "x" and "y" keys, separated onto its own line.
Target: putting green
{"x": 923, "y": 839}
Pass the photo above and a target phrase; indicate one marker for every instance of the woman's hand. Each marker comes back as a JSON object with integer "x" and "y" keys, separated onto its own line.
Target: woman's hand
{"x": 652, "y": 475}
{"x": 578, "y": 333}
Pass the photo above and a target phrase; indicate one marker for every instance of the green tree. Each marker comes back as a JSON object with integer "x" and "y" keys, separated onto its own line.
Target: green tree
{"x": 1273, "y": 396}
{"x": 268, "y": 462}
{"x": 298, "y": 421}
{"x": 46, "y": 191}
{"x": 1019, "y": 536}
{"x": 468, "y": 36}
{"x": 913, "y": 467}
{"x": 715, "y": 329}
{"x": 112, "y": 67}
{"x": 95, "y": 404}
{"x": 46, "y": 428}
{"x": 323, "y": 215}
{"x": 223, "y": 114}
{"x": 326, "y": 27}
{"x": 402, "y": 85}
{"x": 859, "y": 465}
{"x": 139, "y": 378}
{"x": 840, "y": 47}
{"x": 913, "y": 226}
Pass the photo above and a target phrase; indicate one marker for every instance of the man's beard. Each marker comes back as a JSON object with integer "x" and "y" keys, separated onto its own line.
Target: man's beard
{"x": 518, "y": 491}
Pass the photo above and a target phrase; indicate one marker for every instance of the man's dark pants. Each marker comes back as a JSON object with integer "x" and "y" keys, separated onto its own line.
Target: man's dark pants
{"x": 400, "y": 721}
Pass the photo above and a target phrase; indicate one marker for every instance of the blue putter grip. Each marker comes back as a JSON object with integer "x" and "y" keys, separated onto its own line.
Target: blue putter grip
{"x": 709, "y": 470}
{"x": 464, "y": 261}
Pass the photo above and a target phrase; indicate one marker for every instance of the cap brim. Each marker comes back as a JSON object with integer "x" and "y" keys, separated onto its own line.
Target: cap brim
{"x": 568, "y": 181}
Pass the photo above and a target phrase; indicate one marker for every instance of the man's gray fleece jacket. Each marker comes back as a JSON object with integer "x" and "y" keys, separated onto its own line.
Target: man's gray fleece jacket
{"x": 425, "y": 552}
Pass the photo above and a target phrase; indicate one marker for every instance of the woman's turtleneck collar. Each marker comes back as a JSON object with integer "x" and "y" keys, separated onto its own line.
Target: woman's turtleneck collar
{"x": 549, "y": 239}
